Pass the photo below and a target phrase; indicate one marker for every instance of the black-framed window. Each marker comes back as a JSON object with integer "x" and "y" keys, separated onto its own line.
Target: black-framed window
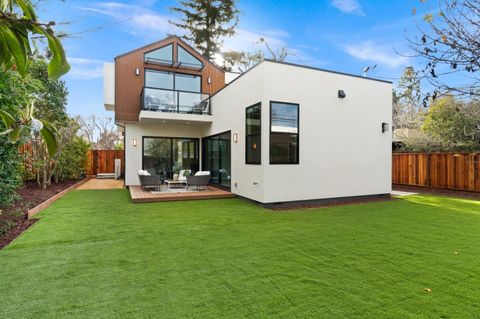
{"x": 173, "y": 81}
{"x": 166, "y": 156}
{"x": 284, "y": 133}
{"x": 187, "y": 59}
{"x": 162, "y": 55}
{"x": 253, "y": 134}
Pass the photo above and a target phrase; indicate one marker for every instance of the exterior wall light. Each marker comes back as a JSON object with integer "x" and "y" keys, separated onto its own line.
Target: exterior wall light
{"x": 235, "y": 137}
{"x": 134, "y": 142}
{"x": 137, "y": 71}
{"x": 341, "y": 94}
{"x": 384, "y": 127}
{"x": 209, "y": 80}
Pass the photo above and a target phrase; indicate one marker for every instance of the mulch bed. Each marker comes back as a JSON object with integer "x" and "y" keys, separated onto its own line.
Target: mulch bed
{"x": 30, "y": 195}
{"x": 437, "y": 191}
{"x": 328, "y": 203}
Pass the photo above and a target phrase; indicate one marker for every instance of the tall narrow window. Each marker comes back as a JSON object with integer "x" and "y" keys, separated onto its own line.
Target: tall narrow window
{"x": 284, "y": 133}
{"x": 253, "y": 134}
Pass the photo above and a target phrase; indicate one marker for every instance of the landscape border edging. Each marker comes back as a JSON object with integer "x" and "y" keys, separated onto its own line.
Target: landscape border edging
{"x": 54, "y": 198}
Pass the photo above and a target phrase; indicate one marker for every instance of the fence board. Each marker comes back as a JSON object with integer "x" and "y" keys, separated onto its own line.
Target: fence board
{"x": 437, "y": 170}
{"x": 103, "y": 161}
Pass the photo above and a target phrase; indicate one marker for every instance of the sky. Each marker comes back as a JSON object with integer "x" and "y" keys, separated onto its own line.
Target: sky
{"x": 340, "y": 35}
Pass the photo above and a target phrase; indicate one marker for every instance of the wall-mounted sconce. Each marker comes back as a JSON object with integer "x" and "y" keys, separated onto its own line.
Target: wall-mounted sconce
{"x": 341, "y": 94}
{"x": 134, "y": 142}
{"x": 209, "y": 80}
{"x": 235, "y": 137}
{"x": 137, "y": 71}
{"x": 384, "y": 127}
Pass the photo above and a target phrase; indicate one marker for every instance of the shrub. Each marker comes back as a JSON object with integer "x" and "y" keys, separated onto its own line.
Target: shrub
{"x": 72, "y": 160}
{"x": 10, "y": 172}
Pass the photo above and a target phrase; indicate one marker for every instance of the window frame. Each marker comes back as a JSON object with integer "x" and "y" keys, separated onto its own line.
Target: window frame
{"x": 297, "y": 162}
{"x": 162, "y": 62}
{"x": 174, "y": 86}
{"x": 197, "y": 146}
{"x": 259, "y": 134}
{"x": 188, "y": 65}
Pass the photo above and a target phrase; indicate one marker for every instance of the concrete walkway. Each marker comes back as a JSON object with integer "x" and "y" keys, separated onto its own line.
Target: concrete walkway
{"x": 400, "y": 193}
{"x": 102, "y": 184}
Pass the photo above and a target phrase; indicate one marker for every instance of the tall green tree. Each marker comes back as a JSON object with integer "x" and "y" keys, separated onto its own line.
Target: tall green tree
{"x": 407, "y": 110}
{"x": 206, "y": 22}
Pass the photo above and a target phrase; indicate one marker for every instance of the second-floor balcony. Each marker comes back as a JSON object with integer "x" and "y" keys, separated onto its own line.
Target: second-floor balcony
{"x": 163, "y": 100}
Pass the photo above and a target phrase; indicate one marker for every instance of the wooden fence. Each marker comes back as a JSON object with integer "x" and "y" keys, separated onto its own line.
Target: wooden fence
{"x": 103, "y": 161}
{"x": 437, "y": 170}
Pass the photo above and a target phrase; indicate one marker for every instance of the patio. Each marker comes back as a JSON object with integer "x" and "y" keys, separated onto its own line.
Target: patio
{"x": 139, "y": 195}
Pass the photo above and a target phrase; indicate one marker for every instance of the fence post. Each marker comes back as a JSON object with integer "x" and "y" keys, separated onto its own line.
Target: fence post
{"x": 428, "y": 170}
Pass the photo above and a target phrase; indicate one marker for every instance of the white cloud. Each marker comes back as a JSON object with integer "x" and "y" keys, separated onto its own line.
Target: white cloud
{"x": 138, "y": 19}
{"x": 85, "y": 69}
{"x": 348, "y": 6}
{"x": 380, "y": 54}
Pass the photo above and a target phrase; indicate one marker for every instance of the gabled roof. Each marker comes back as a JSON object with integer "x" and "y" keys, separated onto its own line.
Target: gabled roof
{"x": 171, "y": 37}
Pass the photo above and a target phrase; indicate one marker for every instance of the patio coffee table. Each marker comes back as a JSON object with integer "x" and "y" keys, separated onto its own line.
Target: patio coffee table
{"x": 175, "y": 184}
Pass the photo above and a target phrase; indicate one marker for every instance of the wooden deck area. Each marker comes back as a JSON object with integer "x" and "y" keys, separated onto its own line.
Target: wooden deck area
{"x": 138, "y": 195}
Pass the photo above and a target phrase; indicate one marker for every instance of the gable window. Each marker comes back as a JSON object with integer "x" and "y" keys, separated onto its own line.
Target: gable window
{"x": 186, "y": 59}
{"x": 253, "y": 134}
{"x": 284, "y": 133}
{"x": 163, "y": 55}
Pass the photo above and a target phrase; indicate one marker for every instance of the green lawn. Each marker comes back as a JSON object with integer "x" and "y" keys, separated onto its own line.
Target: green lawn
{"x": 95, "y": 255}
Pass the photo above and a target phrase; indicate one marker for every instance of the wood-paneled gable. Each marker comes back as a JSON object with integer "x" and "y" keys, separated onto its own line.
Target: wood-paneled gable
{"x": 128, "y": 86}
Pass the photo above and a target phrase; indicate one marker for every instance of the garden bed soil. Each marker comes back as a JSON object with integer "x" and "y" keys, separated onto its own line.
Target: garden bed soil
{"x": 328, "y": 202}
{"x": 30, "y": 195}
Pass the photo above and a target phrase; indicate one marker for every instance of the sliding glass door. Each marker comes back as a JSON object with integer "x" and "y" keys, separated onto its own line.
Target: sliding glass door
{"x": 166, "y": 156}
{"x": 216, "y": 158}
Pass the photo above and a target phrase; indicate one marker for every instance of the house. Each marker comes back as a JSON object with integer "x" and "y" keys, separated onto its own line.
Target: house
{"x": 278, "y": 133}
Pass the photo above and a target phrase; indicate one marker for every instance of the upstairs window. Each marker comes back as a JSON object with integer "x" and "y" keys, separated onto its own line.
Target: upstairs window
{"x": 253, "y": 134}
{"x": 163, "y": 55}
{"x": 186, "y": 59}
{"x": 284, "y": 133}
{"x": 189, "y": 83}
{"x": 159, "y": 79}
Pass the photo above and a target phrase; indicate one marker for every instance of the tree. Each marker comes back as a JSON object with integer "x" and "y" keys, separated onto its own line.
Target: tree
{"x": 100, "y": 132}
{"x": 449, "y": 45}
{"x": 407, "y": 112}
{"x": 454, "y": 122}
{"x": 241, "y": 61}
{"x": 279, "y": 55}
{"x": 206, "y": 22}
{"x": 18, "y": 22}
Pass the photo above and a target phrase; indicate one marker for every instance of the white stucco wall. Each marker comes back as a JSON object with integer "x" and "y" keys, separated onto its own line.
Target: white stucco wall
{"x": 228, "y": 110}
{"x": 109, "y": 86}
{"x": 137, "y": 130}
{"x": 343, "y": 151}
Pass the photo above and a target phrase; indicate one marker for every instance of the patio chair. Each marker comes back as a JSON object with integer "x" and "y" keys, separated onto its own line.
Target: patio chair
{"x": 147, "y": 180}
{"x": 200, "y": 179}
{"x": 200, "y": 108}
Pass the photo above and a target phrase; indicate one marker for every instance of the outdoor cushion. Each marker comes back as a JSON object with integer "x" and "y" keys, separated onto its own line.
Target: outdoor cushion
{"x": 143, "y": 173}
{"x": 202, "y": 173}
{"x": 181, "y": 175}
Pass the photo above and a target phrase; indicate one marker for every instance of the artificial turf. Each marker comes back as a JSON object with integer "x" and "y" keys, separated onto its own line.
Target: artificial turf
{"x": 93, "y": 254}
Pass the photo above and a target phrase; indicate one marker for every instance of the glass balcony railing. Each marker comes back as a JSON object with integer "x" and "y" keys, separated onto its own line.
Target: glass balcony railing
{"x": 162, "y": 100}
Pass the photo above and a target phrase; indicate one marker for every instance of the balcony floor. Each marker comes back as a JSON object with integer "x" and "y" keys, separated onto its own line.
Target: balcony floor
{"x": 139, "y": 195}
